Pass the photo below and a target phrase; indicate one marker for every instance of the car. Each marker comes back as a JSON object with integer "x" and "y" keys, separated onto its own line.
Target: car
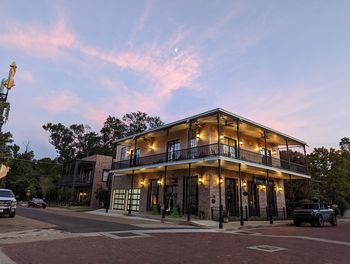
{"x": 37, "y": 203}
{"x": 8, "y": 203}
{"x": 315, "y": 214}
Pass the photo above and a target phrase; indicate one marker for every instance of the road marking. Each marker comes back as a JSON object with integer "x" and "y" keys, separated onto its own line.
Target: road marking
{"x": 267, "y": 248}
{"x": 308, "y": 238}
{"x": 5, "y": 259}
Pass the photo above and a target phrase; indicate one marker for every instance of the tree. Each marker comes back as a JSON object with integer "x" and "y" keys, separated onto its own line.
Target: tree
{"x": 138, "y": 122}
{"x": 113, "y": 128}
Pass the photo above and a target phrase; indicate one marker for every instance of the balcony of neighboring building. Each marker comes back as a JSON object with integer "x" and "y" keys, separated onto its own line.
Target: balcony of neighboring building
{"x": 77, "y": 173}
{"x": 209, "y": 138}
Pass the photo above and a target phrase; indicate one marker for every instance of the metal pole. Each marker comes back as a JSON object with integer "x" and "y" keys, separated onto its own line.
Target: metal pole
{"x": 240, "y": 195}
{"x": 189, "y": 193}
{"x": 164, "y": 196}
{"x": 130, "y": 193}
{"x": 288, "y": 157}
{"x": 306, "y": 161}
{"x": 269, "y": 197}
{"x": 265, "y": 143}
{"x": 238, "y": 139}
{"x": 220, "y": 204}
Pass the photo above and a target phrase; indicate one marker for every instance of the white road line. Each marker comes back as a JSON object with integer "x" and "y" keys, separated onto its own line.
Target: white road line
{"x": 308, "y": 238}
{"x": 5, "y": 259}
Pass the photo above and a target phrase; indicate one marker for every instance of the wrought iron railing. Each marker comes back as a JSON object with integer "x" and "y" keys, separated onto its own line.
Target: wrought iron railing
{"x": 76, "y": 181}
{"x": 210, "y": 151}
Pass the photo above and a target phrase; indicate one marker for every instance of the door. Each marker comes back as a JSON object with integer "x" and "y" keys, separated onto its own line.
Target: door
{"x": 192, "y": 195}
{"x": 231, "y": 198}
{"x": 153, "y": 194}
{"x": 173, "y": 150}
{"x": 170, "y": 197}
{"x": 253, "y": 199}
{"x": 271, "y": 198}
{"x": 229, "y": 147}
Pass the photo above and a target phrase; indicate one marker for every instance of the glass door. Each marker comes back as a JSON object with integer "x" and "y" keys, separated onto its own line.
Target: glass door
{"x": 192, "y": 195}
{"x": 231, "y": 198}
{"x": 173, "y": 150}
{"x": 253, "y": 199}
{"x": 153, "y": 194}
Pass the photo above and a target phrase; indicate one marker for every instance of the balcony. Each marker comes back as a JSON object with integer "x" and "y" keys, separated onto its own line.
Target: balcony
{"x": 210, "y": 151}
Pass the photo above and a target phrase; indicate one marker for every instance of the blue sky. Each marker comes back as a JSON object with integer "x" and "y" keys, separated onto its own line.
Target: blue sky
{"x": 284, "y": 64}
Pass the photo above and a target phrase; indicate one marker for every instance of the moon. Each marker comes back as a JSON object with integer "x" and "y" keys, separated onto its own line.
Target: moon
{"x": 176, "y": 50}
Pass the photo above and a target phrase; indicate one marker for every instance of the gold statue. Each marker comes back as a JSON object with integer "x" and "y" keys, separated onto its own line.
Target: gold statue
{"x": 10, "y": 82}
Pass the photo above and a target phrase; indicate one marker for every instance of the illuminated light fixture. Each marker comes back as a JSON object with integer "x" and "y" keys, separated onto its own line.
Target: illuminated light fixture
{"x": 142, "y": 182}
{"x": 151, "y": 146}
{"x": 241, "y": 143}
{"x": 244, "y": 183}
{"x": 262, "y": 188}
{"x": 274, "y": 152}
{"x": 279, "y": 188}
{"x": 198, "y": 135}
{"x": 200, "y": 180}
{"x": 221, "y": 137}
{"x": 159, "y": 182}
{"x": 221, "y": 180}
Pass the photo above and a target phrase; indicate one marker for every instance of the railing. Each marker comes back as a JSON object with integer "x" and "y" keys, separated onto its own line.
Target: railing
{"x": 252, "y": 214}
{"x": 76, "y": 181}
{"x": 209, "y": 151}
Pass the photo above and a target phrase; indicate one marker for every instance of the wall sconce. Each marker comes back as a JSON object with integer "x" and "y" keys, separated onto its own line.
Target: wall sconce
{"x": 244, "y": 184}
{"x": 279, "y": 188}
{"x": 200, "y": 179}
{"x": 142, "y": 183}
{"x": 159, "y": 182}
{"x": 274, "y": 152}
{"x": 198, "y": 135}
{"x": 151, "y": 146}
{"x": 221, "y": 137}
{"x": 220, "y": 180}
{"x": 241, "y": 143}
{"x": 262, "y": 188}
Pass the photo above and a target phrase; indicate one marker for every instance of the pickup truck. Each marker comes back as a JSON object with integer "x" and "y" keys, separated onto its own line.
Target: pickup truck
{"x": 315, "y": 214}
{"x": 8, "y": 203}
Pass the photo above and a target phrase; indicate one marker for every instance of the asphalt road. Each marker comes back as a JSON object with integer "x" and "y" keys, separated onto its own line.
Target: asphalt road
{"x": 73, "y": 224}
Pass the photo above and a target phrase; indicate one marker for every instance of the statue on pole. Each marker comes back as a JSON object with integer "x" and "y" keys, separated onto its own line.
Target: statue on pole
{"x": 10, "y": 82}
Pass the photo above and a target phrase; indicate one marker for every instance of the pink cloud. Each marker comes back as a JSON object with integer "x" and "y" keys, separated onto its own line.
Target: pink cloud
{"x": 39, "y": 41}
{"x": 59, "y": 102}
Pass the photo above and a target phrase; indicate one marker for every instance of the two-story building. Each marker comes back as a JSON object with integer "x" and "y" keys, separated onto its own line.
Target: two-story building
{"x": 82, "y": 178}
{"x": 206, "y": 162}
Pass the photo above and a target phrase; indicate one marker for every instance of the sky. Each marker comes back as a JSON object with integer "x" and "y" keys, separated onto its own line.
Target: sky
{"x": 284, "y": 64}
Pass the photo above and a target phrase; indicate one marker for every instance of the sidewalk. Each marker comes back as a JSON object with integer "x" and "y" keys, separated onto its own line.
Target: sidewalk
{"x": 194, "y": 222}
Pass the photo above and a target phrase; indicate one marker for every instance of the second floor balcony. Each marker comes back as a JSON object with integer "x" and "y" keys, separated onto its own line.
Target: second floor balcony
{"x": 211, "y": 150}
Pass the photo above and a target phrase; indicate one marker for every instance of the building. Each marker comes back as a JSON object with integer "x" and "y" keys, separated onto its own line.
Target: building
{"x": 206, "y": 162}
{"x": 82, "y": 178}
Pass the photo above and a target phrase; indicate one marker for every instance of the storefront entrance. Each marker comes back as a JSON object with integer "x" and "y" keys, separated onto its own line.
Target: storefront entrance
{"x": 231, "y": 197}
{"x": 192, "y": 195}
{"x": 153, "y": 194}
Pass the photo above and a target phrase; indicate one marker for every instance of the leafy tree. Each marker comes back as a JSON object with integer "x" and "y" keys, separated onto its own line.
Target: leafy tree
{"x": 138, "y": 122}
{"x": 113, "y": 129}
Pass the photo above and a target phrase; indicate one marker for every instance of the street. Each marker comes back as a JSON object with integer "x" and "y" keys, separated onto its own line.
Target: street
{"x": 61, "y": 236}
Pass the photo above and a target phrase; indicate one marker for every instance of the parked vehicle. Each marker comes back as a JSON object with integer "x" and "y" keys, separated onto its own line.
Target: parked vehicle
{"x": 8, "y": 203}
{"x": 315, "y": 214}
{"x": 37, "y": 203}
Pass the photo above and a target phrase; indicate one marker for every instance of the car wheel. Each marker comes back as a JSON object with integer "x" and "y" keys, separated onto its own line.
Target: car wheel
{"x": 320, "y": 221}
{"x": 333, "y": 220}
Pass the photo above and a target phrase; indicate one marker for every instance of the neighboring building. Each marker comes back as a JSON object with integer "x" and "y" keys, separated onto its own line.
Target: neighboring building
{"x": 82, "y": 178}
{"x": 209, "y": 159}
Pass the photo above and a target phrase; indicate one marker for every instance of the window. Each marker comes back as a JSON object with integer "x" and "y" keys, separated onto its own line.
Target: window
{"x": 229, "y": 147}
{"x": 137, "y": 156}
{"x": 119, "y": 199}
{"x": 173, "y": 150}
{"x": 105, "y": 174}
{"x": 123, "y": 153}
{"x": 134, "y": 199}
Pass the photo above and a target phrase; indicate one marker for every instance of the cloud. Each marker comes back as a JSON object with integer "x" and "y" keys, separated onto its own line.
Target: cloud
{"x": 58, "y": 102}
{"x": 39, "y": 41}
{"x": 26, "y": 76}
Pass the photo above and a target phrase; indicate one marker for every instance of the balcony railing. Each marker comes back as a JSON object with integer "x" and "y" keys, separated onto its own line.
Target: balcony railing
{"x": 78, "y": 180}
{"x": 210, "y": 151}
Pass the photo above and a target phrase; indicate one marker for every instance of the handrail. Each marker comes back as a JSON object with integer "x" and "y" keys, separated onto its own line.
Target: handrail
{"x": 209, "y": 151}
